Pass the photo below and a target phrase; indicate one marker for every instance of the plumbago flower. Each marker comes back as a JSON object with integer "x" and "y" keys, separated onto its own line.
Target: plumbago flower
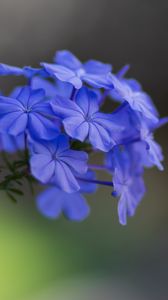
{"x": 55, "y": 123}
{"x": 53, "y": 162}
{"x": 68, "y": 68}
{"x": 27, "y": 112}
{"x": 82, "y": 119}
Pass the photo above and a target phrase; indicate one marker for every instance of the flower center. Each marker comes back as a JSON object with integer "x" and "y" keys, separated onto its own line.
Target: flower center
{"x": 27, "y": 110}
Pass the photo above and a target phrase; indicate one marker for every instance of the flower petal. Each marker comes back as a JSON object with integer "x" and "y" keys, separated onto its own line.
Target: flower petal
{"x": 42, "y": 167}
{"x": 41, "y": 127}
{"x": 76, "y": 128}
{"x": 64, "y": 178}
{"x": 77, "y": 160}
{"x": 87, "y": 101}
{"x": 49, "y": 203}
{"x": 67, "y": 59}
{"x": 99, "y": 137}
{"x": 97, "y": 67}
{"x": 10, "y": 70}
{"x": 64, "y": 74}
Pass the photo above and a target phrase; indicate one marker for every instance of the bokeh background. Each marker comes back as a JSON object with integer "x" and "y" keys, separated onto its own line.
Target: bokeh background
{"x": 96, "y": 259}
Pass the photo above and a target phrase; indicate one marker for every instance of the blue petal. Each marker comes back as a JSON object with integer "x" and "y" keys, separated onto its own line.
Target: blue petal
{"x": 19, "y": 126}
{"x": 75, "y": 207}
{"x": 41, "y": 127}
{"x": 52, "y": 202}
{"x": 121, "y": 73}
{"x": 24, "y": 96}
{"x": 9, "y": 104}
{"x": 97, "y": 67}
{"x": 64, "y": 178}
{"x": 10, "y": 70}
{"x": 87, "y": 101}
{"x": 49, "y": 88}
{"x": 49, "y": 203}
{"x": 155, "y": 153}
{"x": 13, "y": 123}
{"x": 36, "y": 96}
{"x": 77, "y": 160}
{"x": 30, "y": 72}
{"x": 42, "y": 167}
{"x": 76, "y": 128}
{"x": 99, "y": 137}
{"x": 107, "y": 121}
{"x": 64, "y": 89}
{"x": 62, "y": 143}
{"x": 64, "y": 74}
{"x": 67, "y": 59}
{"x": 85, "y": 186}
{"x": 10, "y": 143}
{"x": 15, "y": 92}
{"x": 98, "y": 81}
{"x": 66, "y": 108}
{"x": 139, "y": 101}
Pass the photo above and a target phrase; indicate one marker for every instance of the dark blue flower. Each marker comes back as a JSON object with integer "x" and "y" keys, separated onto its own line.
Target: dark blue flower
{"x": 68, "y": 68}
{"x": 27, "y": 112}
{"x": 54, "y": 162}
{"x": 82, "y": 119}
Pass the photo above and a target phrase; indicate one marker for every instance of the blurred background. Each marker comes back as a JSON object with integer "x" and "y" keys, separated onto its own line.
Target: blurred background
{"x": 96, "y": 259}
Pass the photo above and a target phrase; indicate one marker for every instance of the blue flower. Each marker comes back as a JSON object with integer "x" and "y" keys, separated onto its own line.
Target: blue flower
{"x": 53, "y": 201}
{"x": 82, "y": 119}
{"x": 68, "y": 68}
{"x": 152, "y": 148}
{"x": 27, "y": 112}
{"x": 53, "y": 162}
{"x": 130, "y": 190}
{"x": 138, "y": 100}
{"x": 127, "y": 171}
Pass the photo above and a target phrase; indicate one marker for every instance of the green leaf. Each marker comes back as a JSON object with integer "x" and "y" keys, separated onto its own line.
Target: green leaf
{"x": 16, "y": 191}
{"x": 12, "y": 197}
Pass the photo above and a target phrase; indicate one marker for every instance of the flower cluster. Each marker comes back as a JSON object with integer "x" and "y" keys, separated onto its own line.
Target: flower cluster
{"x": 58, "y": 120}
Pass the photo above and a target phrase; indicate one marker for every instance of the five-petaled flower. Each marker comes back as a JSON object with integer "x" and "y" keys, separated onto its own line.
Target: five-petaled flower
{"x": 27, "y": 112}
{"x": 68, "y": 68}
{"x": 137, "y": 99}
{"x": 82, "y": 119}
{"x": 54, "y": 162}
